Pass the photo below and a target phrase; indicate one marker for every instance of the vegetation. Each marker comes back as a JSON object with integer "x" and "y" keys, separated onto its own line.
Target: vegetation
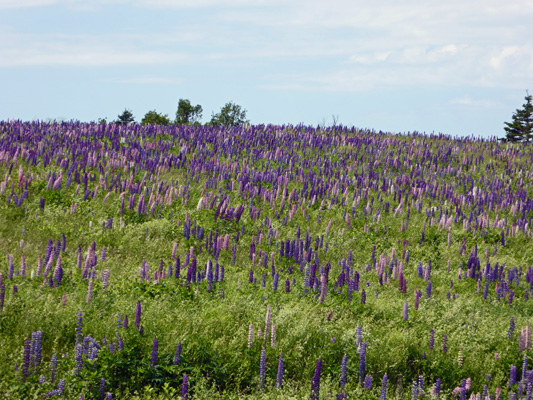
{"x": 153, "y": 117}
{"x": 230, "y": 114}
{"x": 521, "y": 127}
{"x": 262, "y": 262}
{"x": 187, "y": 113}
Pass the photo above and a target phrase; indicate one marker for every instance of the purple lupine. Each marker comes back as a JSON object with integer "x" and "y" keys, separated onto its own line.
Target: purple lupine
{"x": 511, "y": 328}
{"x": 275, "y": 282}
{"x": 315, "y": 383}
{"x": 368, "y": 382}
{"x": 344, "y": 366}
{"x": 428, "y": 290}
{"x": 362, "y": 362}
{"x": 444, "y": 343}
{"x": 437, "y": 387}
{"x": 288, "y": 286}
{"x": 36, "y": 348}
{"x": 414, "y": 390}
{"x": 177, "y": 356}
{"x": 53, "y": 368}
{"x": 138, "y": 315}
{"x": 90, "y": 291}
{"x": 262, "y": 369}
{"x": 126, "y": 322}
{"x": 363, "y": 296}
{"x": 79, "y": 357}
{"x": 155, "y": 346}
{"x": 384, "y": 387}
{"x": 405, "y": 311}
{"x": 431, "y": 339}
{"x": 279, "y": 376}
{"x": 185, "y": 387}
{"x": 512, "y": 376}
{"x": 322, "y": 288}
{"x": 2, "y": 295}
{"x": 101, "y": 388}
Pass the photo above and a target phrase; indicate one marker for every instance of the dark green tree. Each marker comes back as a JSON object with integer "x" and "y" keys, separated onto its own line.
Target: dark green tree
{"x": 521, "y": 127}
{"x": 125, "y": 118}
{"x": 187, "y": 113}
{"x": 230, "y": 115}
{"x": 153, "y": 117}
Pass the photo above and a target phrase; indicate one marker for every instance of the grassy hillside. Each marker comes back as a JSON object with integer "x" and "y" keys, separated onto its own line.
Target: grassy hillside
{"x": 137, "y": 258}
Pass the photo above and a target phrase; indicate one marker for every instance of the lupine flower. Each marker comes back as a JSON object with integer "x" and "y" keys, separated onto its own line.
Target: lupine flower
{"x": 177, "y": 356}
{"x": 262, "y": 369}
{"x": 363, "y": 296}
{"x": 273, "y": 337}
{"x": 155, "y": 346}
{"x": 42, "y": 379}
{"x": 268, "y": 318}
{"x": 315, "y": 383}
{"x": 344, "y": 365}
{"x": 36, "y": 348}
{"x": 431, "y": 339}
{"x": 90, "y": 291}
{"x": 184, "y": 387}
{"x": 250, "y": 335}
{"x": 322, "y": 288}
{"x": 79, "y": 357}
{"x": 444, "y": 343}
{"x": 53, "y": 368}
{"x": 414, "y": 390}
{"x": 279, "y": 376}
{"x": 384, "y": 387}
{"x": 101, "y": 388}
{"x": 405, "y": 311}
{"x": 2, "y": 296}
{"x": 368, "y": 382}
{"x": 362, "y": 361}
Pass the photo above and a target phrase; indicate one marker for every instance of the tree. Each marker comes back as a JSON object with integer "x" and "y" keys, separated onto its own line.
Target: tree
{"x": 153, "y": 117}
{"x": 187, "y": 113}
{"x": 125, "y": 118}
{"x": 230, "y": 115}
{"x": 521, "y": 128}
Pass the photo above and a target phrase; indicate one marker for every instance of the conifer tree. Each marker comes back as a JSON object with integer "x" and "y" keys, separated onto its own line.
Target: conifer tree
{"x": 521, "y": 127}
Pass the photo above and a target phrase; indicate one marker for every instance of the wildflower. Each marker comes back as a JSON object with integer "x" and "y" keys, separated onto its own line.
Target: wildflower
{"x": 262, "y": 369}
{"x": 177, "y": 356}
{"x": 344, "y": 365}
{"x": 184, "y": 387}
{"x": 315, "y": 383}
{"x": 279, "y": 377}
{"x": 155, "y": 346}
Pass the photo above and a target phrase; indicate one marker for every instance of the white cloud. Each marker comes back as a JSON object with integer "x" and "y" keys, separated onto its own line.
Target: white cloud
{"x": 466, "y": 100}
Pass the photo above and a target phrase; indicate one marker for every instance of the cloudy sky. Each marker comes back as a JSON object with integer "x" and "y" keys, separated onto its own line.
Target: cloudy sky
{"x": 459, "y": 67}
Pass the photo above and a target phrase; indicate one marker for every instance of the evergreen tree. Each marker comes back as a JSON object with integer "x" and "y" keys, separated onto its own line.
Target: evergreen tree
{"x": 125, "y": 118}
{"x": 521, "y": 128}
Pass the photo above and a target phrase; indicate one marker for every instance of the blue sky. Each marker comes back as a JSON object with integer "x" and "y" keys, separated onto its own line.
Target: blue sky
{"x": 457, "y": 67}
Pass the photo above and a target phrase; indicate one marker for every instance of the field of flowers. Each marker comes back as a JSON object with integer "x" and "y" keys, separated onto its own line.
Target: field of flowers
{"x": 263, "y": 262}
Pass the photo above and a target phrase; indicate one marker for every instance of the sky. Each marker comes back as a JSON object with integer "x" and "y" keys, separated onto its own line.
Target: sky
{"x": 458, "y": 67}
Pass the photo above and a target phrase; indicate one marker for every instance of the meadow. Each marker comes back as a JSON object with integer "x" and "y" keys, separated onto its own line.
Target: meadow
{"x": 263, "y": 262}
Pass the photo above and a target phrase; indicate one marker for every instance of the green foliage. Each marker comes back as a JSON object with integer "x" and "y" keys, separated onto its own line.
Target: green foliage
{"x": 521, "y": 127}
{"x": 125, "y": 118}
{"x": 187, "y": 113}
{"x": 230, "y": 114}
{"x": 153, "y": 117}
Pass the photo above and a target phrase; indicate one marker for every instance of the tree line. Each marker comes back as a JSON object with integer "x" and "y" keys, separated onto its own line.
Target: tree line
{"x": 230, "y": 114}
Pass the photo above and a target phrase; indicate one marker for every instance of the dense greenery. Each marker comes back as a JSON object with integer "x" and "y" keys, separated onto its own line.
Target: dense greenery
{"x": 373, "y": 241}
{"x": 521, "y": 127}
